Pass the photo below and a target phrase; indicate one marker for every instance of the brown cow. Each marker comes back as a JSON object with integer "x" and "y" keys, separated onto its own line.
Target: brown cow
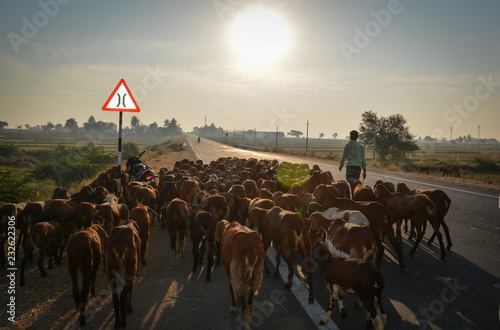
{"x": 188, "y": 190}
{"x": 289, "y": 233}
{"x": 140, "y": 215}
{"x": 122, "y": 256}
{"x": 244, "y": 259}
{"x": 203, "y": 231}
{"x": 84, "y": 254}
{"x": 176, "y": 217}
{"x": 343, "y": 238}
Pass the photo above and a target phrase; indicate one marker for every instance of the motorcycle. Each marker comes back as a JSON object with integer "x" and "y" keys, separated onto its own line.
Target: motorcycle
{"x": 138, "y": 171}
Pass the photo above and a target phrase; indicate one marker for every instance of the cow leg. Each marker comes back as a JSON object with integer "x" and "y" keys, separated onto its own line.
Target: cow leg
{"x": 380, "y": 250}
{"x": 398, "y": 230}
{"x": 73, "y": 273}
{"x": 123, "y": 306}
{"x": 40, "y": 261}
{"x": 217, "y": 252}
{"x": 244, "y": 311}
{"x": 210, "y": 260}
{"x": 278, "y": 261}
{"x": 266, "y": 246}
{"x": 420, "y": 234}
{"x": 396, "y": 245}
{"x": 173, "y": 237}
{"x": 338, "y": 292}
{"x": 116, "y": 307}
{"x": 94, "y": 276}
{"x": 196, "y": 255}
{"x": 435, "y": 226}
{"x": 289, "y": 262}
{"x": 447, "y": 233}
{"x": 331, "y": 303}
{"x": 182, "y": 240}
{"x": 202, "y": 251}
{"x": 233, "y": 308}
{"x": 87, "y": 278}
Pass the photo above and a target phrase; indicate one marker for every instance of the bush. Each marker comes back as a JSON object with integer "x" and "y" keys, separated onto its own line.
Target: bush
{"x": 9, "y": 150}
{"x": 15, "y": 186}
{"x": 486, "y": 164}
{"x": 130, "y": 149}
{"x": 68, "y": 165}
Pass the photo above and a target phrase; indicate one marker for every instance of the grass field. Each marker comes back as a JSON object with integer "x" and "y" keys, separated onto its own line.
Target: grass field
{"x": 480, "y": 162}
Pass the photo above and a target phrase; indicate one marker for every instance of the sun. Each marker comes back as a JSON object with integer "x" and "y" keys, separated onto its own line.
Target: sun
{"x": 260, "y": 35}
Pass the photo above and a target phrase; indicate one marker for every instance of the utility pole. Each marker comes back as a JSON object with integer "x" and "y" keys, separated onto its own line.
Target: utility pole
{"x": 276, "y": 136}
{"x": 374, "y": 136}
{"x": 205, "y": 120}
{"x": 307, "y": 135}
{"x": 451, "y": 133}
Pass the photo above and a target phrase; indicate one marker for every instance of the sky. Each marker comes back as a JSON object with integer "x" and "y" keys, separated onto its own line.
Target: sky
{"x": 435, "y": 62}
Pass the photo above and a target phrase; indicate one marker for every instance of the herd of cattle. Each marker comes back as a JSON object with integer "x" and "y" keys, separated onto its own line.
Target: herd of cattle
{"x": 339, "y": 227}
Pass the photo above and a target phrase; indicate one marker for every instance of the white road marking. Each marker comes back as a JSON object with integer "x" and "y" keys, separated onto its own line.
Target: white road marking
{"x": 315, "y": 311}
{"x": 197, "y": 155}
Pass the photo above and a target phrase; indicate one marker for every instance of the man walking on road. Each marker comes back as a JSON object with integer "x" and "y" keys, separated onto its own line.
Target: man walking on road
{"x": 354, "y": 152}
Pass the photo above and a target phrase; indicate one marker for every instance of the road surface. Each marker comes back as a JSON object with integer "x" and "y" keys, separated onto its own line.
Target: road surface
{"x": 462, "y": 292}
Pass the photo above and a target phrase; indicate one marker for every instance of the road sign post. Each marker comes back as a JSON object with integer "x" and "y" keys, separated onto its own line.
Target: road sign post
{"x": 120, "y": 100}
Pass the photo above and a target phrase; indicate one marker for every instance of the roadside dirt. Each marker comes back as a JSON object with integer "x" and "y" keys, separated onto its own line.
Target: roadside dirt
{"x": 47, "y": 303}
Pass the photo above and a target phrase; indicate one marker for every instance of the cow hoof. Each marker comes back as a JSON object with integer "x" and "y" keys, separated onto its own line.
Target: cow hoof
{"x": 288, "y": 286}
{"x": 343, "y": 314}
{"x": 311, "y": 301}
{"x": 322, "y": 322}
{"x": 276, "y": 275}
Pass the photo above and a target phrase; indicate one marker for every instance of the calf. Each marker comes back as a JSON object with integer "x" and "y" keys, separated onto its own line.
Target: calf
{"x": 343, "y": 238}
{"x": 176, "y": 215}
{"x": 244, "y": 258}
{"x": 122, "y": 256}
{"x": 362, "y": 193}
{"x": 203, "y": 230}
{"x": 48, "y": 237}
{"x": 442, "y": 203}
{"x": 141, "y": 216}
{"x": 418, "y": 208}
{"x": 347, "y": 275}
{"x": 84, "y": 254}
{"x": 377, "y": 214}
{"x": 351, "y": 216}
{"x": 289, "y": 233}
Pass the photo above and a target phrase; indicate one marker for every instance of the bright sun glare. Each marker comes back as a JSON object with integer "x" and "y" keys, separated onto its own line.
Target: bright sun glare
{"x": 260, "y": 35}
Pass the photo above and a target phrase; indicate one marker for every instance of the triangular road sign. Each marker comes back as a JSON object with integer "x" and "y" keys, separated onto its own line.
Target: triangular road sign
{"x": 121, "y": 99}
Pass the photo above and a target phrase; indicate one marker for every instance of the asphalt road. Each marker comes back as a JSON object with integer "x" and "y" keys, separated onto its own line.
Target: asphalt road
{"x": 462, "y": 292}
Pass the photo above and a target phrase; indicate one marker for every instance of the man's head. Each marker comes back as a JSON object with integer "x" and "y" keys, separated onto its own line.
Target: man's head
{"x": 353, "y": 135}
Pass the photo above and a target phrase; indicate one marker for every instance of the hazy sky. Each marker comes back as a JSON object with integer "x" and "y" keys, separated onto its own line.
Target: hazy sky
{"x": 435, "y": 62}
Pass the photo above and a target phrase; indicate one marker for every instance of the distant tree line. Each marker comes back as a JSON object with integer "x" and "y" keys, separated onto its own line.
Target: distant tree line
{"x": 170, "y": 127}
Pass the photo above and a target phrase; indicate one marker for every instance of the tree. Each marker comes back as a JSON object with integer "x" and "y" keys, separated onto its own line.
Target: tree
{"x": 27, "y": 126}
{"x": 295, "y": 133}
{"x": 335, "y": 135}
{"x": 393, "y": 137}
{"x": 321, "y": 135}
{"x": 153, "y": 125}
{"x": 166, "y": 122}
{"x": 71, "y": 123}
{"x": 173, "y": 129}
{"x": 135, "y": 122}
{"x": 3, "y": 124}
{"x": 50, "y": 126}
